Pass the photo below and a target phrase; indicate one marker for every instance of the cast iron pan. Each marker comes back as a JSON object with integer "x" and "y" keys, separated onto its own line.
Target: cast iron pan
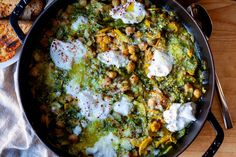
{"x": 25, "y": 97}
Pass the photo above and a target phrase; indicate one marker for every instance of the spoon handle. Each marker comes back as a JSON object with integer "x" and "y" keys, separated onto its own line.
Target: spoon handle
{"x": 225, "y": 111}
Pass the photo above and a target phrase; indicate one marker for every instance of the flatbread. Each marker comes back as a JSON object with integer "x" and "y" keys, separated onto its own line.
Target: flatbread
{"x": 9, "y": 41}
{"x": 31, "y": 11}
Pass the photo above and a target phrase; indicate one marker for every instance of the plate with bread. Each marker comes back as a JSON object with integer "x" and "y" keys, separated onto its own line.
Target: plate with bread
{"x": 10, "y": 45}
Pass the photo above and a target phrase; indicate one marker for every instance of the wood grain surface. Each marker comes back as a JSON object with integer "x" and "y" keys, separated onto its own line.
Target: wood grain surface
{"x": 223, "y": 45}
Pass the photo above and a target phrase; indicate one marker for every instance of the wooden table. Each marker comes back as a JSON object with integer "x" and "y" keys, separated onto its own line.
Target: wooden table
{"x": 223, "y": 45}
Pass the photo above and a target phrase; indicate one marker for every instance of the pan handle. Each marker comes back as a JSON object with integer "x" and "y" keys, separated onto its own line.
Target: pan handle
{"x": 219, "y": 136}
{"x": 15, "y": 17}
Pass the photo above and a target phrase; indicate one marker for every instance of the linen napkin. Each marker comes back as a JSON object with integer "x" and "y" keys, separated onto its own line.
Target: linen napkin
{"x": 16, "y": 136}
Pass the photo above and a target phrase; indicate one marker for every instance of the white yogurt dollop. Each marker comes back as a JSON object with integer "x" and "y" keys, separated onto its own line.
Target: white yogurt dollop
{"x": 123, "y": 107}
{"x": 104, "y": 147}
{"x": 113, "y": 58}
{"x": 80, "y": 21}
{"x": 179, "y": 116}
{"x": 73, "y": 88}
{"x": 130, "y": 13}
{"x": 92, "y": 106}
{"x": 161, "y": 64}
{"x": 64, "y": 54}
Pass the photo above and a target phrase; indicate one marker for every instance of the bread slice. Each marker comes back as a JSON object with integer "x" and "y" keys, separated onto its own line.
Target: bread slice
{"x": 9, "y": 41}
{"x": 31, "y": 11}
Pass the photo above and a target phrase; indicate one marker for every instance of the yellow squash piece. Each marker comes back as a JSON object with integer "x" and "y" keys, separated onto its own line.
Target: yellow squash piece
{"x": 155, "y": 126}
{"x": 147, "y": 23}
{"x": 144, "y": 145}
{"x": 130, "y": 8}
{"x": 163, "y": 140}
{"x": 104, "y": 30}
{"x": 135, "y": 142}
{"x": 190, "y": 53}
{"x": 173, "y": 26}
{"x": 121, "y": 37}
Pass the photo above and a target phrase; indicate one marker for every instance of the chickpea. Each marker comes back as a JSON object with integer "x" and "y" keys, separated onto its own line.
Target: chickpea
{"x": 34, "y": 71}
{"x": 134, "y": 79}
{"x": 125, "y": 82}
{"x": 73, "y": 138}
{"x": 107, "y": 81}
{"x": 143, "y": 46}
{"x": 138, "y": 34}
{"x": 125, "y": 52}
{"x": 123, "y": 1}
{"x": 64, "y": 16}
{"x": 112, "y": 74}
{"x": 106, "y": 39}
{"x": 188, "y": 88}
{"x": 115, "y": 2}
{"x": 130, "y": 67}
{"x": 114, "y": 47}
{"x": 129, "y": 30}
{"x": 60, "y": 124}
{"x": 134, "y": 153}
{"x": 44, "y": 42}
{"x": 45, "y": 120}
{"x": 83, "y": 3}
{"x": 43, "y": 108}
{"x": 151, "y": 42}
{"x": 125, "y": 86}
{"x": 69, "y": 98}
{"x": 107, "y": 98}
{"x": 152, "y": 102}
{"x": 99, "y": 39}
{"x": 106, "y": 8}
{"x": 58, "y": 132}
{"x": 69, "y": 9}
{"x": 197, "y": 93}
{"x": 55, "y": 22}
{"x": 131, "y": 49}
{"x": 103, "y": 46}
{"x": 133, "y": 57}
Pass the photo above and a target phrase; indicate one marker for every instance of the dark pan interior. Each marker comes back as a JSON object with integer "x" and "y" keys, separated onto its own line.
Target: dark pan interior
{"x": 26, "y": 98}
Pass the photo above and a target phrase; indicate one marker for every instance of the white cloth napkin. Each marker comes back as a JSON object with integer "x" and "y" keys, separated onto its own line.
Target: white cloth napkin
{"x": 16, "y": 136}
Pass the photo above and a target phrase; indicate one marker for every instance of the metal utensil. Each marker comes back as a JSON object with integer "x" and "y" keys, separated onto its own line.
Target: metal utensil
{"x": 201, "y": 16}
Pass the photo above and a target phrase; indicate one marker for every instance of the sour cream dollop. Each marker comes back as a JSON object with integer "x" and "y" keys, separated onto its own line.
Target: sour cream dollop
{"x": 123, "y": 107}
{"x": 161, "y": 64}
{"x": 130, "y": 13}
{"x": 179, "y": 116}
{"x": 64, "y": 54}
{"x": 92, "y": 106}
{"x": 104, "y": 147}
{"x": 113, "y": 58}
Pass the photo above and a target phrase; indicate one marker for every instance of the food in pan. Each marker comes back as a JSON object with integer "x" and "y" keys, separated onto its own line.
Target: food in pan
{"x": 116, "y": 78}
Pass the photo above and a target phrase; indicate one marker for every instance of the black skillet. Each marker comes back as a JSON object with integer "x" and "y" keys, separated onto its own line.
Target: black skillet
{"x": 28, "y": 42}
